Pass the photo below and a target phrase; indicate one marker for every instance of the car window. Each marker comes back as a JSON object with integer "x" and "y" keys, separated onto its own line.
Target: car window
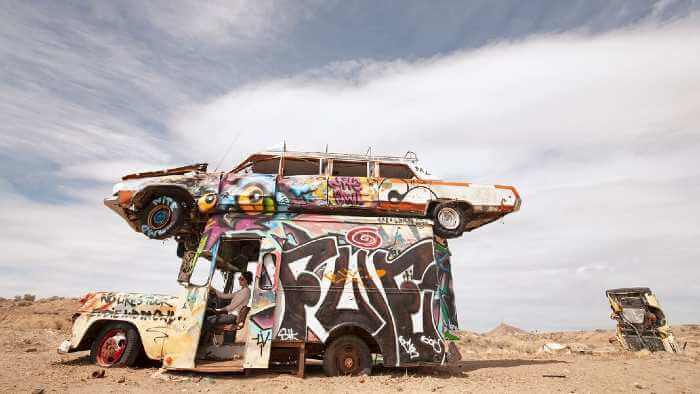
{"x": 295, "y": 166}
{"x": 395, "y": 171}
{"x": 267, "y": 166}
{"x": 349, "y": 168}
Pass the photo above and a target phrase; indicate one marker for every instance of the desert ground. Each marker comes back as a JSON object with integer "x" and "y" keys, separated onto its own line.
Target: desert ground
{"x": 505, "y": 359}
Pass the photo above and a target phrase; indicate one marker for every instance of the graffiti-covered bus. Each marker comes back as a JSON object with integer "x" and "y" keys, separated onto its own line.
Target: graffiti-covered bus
{"x": 350, "y": 291}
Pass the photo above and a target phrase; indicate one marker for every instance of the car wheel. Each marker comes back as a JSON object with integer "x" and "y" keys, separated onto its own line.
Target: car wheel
{"x": 117, "y": 345}
{"x": 162, "y": 217}
{"x": 450, "y": 219}
{"x": 347, "y": 355}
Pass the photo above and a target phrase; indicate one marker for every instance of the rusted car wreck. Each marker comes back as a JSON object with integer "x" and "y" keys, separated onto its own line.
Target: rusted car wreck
{"x": 641, "y": 324}
{"x": 177, "y": 202}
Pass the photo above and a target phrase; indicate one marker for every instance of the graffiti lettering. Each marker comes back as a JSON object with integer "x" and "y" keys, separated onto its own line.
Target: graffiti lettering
{"x": 408, "y": 347}
{"x": 346, "y": 190}
{"x": 401, "y": 220}
{"x": 262, "y": 340}
{"x": 135, "y": 299}
{"x": 134, "y": 314}
{"x": 434, "y": 343}
{"x": 287, "y": 334}
{"x": 364, "y": 288}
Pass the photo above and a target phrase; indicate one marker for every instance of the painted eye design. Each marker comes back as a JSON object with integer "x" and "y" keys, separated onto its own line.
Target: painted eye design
{"x": 207, "y": 202}
{"x": 251, "y": 199}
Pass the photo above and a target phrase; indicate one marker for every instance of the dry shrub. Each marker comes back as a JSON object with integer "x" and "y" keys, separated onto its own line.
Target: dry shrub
{"x": 58, "y": 324}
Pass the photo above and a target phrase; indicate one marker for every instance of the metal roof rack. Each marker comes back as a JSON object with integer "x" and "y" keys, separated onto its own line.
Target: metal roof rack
{"x": 408, "y": 157}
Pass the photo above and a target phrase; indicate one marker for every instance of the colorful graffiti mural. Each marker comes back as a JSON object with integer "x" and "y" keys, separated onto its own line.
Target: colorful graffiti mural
{"x": 392, "y": 280}
{"x": 316, "y": 276}
{"x": 244, "y": 190}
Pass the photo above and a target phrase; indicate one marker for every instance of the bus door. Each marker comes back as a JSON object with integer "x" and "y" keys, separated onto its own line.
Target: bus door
{"x": 261, "y": 318}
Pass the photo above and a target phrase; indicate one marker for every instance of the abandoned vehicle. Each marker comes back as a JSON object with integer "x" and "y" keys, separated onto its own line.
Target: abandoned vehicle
{"x": 178, "y": 202}
{"x": 352, "y": 291}
{"x": 641, "y": 324}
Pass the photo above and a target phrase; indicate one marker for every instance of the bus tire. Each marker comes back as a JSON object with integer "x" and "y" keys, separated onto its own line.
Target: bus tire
{"x": 117, "y": 345}
{"x": 347, "y": 355}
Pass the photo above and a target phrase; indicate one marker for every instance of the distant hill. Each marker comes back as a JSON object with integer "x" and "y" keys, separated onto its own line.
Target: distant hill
{"x": 505, "y": 329}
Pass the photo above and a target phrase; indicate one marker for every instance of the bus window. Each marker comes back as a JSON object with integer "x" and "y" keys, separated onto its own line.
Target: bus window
{"x": 201, "y": 272}
{"x": 267, "y": 276}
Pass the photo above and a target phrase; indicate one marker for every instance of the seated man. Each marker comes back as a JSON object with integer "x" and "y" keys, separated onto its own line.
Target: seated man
{"x": 229, "y": 313}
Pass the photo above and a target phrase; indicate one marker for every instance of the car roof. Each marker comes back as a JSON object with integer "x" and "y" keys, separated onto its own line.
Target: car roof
{"x": 409, "y": 158}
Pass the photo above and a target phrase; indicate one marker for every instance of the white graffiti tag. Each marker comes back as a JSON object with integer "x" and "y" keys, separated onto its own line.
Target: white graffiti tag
{"x": 435, "y": 343}
{"x": 408, "y": 347}
{"x": 287, "y": 334}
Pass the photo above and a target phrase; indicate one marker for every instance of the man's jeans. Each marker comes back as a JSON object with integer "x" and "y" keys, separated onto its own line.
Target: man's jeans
{"x": 217, "y": 320}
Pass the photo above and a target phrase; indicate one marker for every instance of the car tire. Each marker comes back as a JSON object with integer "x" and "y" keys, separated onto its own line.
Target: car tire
{"x": 162, "y": 217}
{"x": 117, "y": 345}
{"x": 347, "y": 355}
{"x": 449, "y": 219}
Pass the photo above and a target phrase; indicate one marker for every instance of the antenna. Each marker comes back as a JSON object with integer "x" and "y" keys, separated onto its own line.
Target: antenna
{"x": 280, "y": 168}
{"x": 326, "y": 148}
{"x": 369, "y": 152}
{"x": 238, "y": 134}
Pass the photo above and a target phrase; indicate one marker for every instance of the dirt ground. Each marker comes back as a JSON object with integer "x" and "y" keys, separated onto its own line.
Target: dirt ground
{"x": 504, "y": 360}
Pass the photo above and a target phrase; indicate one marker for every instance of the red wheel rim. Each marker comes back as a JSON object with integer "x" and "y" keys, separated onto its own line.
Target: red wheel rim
{"x": 111, "y": 347}
{"x": 348, "y": 360}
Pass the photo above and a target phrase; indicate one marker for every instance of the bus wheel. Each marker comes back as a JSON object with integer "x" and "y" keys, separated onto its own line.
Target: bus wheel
{"x": 347, "y": 355}
{"x": 117, "y": 345}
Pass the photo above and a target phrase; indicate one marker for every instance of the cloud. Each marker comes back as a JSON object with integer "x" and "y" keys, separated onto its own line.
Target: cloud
{"x": 601, "y": 134}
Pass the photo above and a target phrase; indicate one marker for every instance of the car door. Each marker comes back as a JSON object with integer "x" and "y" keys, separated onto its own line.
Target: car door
{"x": 251, "y": 189}
{"x": 349, "y": 186}
{"x": 302, "y": 185}
{"x": 400, "y": 191}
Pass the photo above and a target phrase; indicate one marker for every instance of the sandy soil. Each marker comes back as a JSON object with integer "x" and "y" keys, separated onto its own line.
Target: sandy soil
{"x": 503, "y": 360}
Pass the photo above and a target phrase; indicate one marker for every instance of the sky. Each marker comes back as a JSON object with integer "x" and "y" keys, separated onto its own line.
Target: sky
{"x": 590, "y": 108}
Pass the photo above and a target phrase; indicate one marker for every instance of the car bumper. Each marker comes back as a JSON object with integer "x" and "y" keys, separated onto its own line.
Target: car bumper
{"x": 113, "y": 204}
{"x": 65, "y": 347}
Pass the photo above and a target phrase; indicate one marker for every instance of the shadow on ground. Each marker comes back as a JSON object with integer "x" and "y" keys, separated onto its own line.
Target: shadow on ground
{"x": 468, "y": 366}
{"x": 314, "y": 369}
